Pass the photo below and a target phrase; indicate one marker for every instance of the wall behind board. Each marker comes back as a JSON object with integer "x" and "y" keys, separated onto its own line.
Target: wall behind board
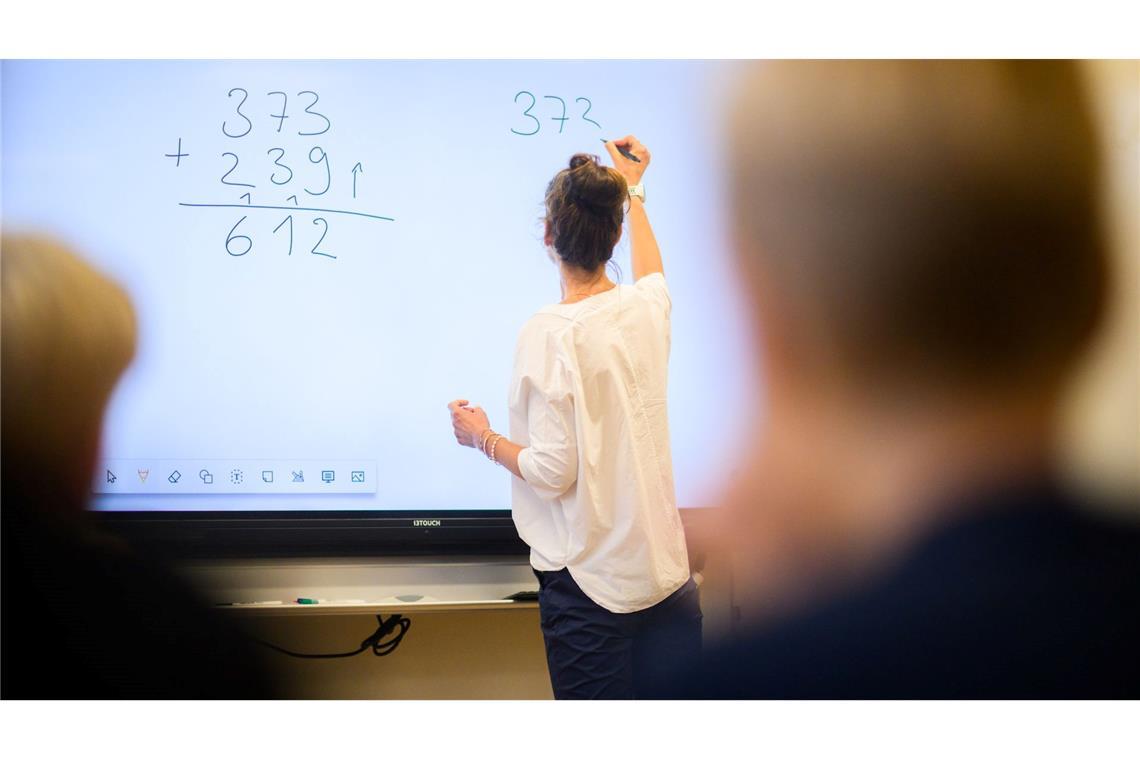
{"x": 494, "y": 654}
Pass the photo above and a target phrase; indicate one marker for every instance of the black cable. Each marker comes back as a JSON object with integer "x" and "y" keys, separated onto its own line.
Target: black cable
{"x": 373, "y": 642}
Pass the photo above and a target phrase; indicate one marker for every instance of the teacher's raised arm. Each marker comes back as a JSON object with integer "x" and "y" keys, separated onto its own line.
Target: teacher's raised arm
{"x": 645, "y": 254}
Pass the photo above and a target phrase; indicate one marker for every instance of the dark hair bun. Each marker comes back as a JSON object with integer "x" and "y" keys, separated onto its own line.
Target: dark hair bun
{"x": 585, "y": 204}
{"x": 581, "y": 159}
{"x": 594, "y": 187}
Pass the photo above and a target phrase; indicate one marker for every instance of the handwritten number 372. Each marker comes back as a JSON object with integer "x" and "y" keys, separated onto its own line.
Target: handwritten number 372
{"x": 530, "y": 101}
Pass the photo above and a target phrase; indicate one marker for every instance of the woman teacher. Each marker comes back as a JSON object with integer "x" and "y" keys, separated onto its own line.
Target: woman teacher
{"x": 592, "y": 493}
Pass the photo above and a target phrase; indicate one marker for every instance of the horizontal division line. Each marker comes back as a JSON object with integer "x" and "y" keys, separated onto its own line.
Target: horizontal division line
{"x": 289, "y": 208}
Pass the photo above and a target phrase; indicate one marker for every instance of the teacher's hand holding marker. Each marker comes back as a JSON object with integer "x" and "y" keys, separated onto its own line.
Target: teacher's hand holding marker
{"x": 630, "y": 157}
{"x": 589, "y": 444}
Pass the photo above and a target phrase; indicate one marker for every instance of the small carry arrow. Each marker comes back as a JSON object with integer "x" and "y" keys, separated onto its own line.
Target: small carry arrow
{"x": 355, "y": 169}
{"x": 292, "y": 198}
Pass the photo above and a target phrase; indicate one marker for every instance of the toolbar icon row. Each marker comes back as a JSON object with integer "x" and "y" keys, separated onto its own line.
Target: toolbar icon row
{"x": 234, "y": 476}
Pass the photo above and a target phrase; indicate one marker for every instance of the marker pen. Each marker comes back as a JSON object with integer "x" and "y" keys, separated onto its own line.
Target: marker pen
{"x": 625, "y": 152}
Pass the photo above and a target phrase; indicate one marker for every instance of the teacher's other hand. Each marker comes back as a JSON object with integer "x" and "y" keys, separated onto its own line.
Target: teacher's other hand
{"x": 468, "y": 422}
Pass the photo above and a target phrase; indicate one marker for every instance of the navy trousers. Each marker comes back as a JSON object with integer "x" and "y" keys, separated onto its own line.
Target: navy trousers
{"x": 593, "y": 653}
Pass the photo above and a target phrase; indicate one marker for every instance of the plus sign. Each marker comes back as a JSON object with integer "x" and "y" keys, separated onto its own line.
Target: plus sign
{"x": 178, "y": 155}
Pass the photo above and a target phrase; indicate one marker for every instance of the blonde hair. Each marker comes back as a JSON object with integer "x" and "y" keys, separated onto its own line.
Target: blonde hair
{"x": 68, "y": 333}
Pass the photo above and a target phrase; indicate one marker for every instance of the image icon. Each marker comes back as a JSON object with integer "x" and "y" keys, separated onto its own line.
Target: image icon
{"x": 358, "y": 476}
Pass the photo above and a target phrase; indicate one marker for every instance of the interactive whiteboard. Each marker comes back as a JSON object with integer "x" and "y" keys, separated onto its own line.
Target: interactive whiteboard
{"x": 323, "y": 254}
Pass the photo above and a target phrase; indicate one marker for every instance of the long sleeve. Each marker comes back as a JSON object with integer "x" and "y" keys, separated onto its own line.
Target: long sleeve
{"x": 549, "y": 464}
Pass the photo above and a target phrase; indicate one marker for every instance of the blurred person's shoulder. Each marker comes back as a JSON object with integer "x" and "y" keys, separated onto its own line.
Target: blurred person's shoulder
{"x": 1029, "y": 594}
{"x": 124, "y": 623}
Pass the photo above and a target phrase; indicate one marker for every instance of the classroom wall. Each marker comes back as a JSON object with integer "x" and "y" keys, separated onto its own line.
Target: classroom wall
{"x": 458, "y": 655}
{"x": 496, "y": 654}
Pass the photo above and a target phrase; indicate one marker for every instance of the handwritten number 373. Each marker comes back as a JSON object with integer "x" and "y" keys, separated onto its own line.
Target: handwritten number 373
{"x": 242, "y": 125}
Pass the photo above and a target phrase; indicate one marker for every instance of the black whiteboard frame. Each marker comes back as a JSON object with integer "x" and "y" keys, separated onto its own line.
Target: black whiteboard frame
{"x": 253, "y": 534}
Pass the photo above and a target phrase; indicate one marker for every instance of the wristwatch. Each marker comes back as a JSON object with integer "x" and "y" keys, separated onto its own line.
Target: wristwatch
{"x": 637, "y": 191}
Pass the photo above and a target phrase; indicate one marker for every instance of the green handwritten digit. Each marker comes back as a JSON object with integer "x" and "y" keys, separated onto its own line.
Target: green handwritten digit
{"x": 248, "y": 123}
{"x": 585, "y": 114}
{"x": 527, "y": 113}
{"x": 288, "y": 219}
{"x": 320, "y": 220}
{"x": 232, "y": 237}
{"x": 277, "y": 162}
{"x": 560, "y": 119}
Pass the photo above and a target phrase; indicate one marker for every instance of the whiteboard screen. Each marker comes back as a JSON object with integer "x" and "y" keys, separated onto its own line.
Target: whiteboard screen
{"x": 323, "y": 254}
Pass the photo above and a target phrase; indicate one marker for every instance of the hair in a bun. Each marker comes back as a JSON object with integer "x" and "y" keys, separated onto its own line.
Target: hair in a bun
{"x": 585, "y": 204}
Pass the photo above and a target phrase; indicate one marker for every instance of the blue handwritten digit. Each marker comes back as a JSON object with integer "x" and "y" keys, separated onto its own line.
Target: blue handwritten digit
{"x": 281, "y": 117}
{"x": 560, "y": 119}
{"x": 248, "y": 123}
{"x": 288, "y": 219}
{"x": 328, "y": 172}
{"x": 586, "y": 113}
{"x": 277, "y": 162}
{"x": 232, "y": 237}
{"x": 527, "y": 113}
{"x": 231, "y": 171}
{"x": 320, "y": 220}
{"x": 314, "y": 113}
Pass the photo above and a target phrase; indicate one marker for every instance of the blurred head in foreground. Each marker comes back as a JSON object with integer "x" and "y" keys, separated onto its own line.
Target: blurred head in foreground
{"x": 68, "y": 334}
{"x": 921, "y": 244}
{"x": 925, "y": 261}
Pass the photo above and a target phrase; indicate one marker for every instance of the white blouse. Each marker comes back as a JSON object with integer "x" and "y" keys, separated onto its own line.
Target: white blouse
{"x": 587, "y": 400}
